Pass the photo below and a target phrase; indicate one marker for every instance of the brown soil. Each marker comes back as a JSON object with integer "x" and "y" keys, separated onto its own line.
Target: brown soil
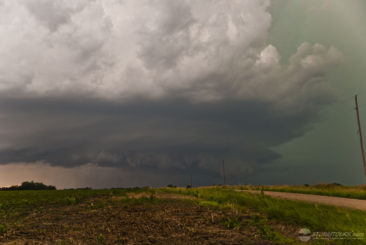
{"x": 112, "y": 221}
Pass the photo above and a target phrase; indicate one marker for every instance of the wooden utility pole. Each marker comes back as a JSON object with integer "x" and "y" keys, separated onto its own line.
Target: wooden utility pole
{"x": 223, "y": 171}
{"x": 360, "y": 134}
{"x": 191, "y": 181}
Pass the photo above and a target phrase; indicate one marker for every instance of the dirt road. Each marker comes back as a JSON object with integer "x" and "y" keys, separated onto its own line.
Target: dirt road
{"x": 328, "y": 200}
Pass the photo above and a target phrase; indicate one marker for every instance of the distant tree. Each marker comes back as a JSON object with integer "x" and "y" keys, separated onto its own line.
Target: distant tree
{"x": 325, "y": 186}
{"x": 336, "y": 184}
{"x": 29, "y": 186}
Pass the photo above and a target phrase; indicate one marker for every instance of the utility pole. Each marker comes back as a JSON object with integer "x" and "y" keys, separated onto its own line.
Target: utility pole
{"x": 223, "y": 171}
{"x": 360, "y": 134}
{"x": 191, "y": 181}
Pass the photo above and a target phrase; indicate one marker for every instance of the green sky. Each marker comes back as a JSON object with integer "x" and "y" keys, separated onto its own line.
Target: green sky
{"x": 330, "y": 152}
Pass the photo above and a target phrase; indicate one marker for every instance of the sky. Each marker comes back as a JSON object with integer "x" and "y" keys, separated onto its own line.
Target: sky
{"x": 120, "y": 93}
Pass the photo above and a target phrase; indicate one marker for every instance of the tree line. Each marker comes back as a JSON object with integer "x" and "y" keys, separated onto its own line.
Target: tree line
{"x": 29, "y": 186}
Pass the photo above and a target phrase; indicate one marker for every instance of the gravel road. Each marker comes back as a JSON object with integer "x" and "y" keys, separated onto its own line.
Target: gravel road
{"x": 328, "y": 200}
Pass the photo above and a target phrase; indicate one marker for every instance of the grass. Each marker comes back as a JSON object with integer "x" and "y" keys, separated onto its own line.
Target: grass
{"x": 231, "y": 223}
{"x": 318, "y": 218}
{"x": 3, "y": 228}
{"x": 357, "y": 192}
{"x": 101, "y": 238}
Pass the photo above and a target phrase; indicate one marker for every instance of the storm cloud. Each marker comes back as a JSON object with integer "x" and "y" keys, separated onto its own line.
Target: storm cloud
{"x": 153, "y": 86}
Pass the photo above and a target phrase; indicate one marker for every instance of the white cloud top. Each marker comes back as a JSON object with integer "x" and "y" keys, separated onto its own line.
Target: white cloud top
{"x": 198, "y": 50}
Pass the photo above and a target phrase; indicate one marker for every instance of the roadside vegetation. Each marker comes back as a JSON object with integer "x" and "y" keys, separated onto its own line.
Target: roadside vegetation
{"x": 316, "y": 217}
{"x": 357, "y": 192}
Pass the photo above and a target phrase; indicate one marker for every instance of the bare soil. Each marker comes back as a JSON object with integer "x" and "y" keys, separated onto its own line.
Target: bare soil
{"x": 112, "y": 221}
